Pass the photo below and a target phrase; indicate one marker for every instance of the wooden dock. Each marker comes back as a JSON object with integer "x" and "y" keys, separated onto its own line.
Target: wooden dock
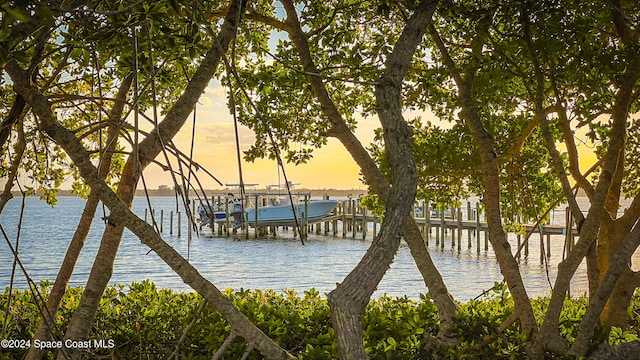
{"x": 350, "y": 220}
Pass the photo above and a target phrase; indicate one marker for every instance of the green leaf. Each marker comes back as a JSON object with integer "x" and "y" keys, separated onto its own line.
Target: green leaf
{"x": 21, "y": 56}
{"x": 175, "y": 5}
{"x": 45, "y": 15}
{"x": 18, "y": 12}
{"x": 5, "y": 31}
{"x": 76, "y": 52}
{"x": 391, "y": 341}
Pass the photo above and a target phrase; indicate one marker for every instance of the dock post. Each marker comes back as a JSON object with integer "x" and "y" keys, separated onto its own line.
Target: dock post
{"x": 526, "y": 244}
{"x": 453, "y": 232}
{"x": 227, "y": 217}
{"x": 426, "y": 212}
{"x": 459, "y": 228}
{"x": 568, "y": 241}
{"x": 179, "y": 221}
{"x": 344, "y": 218}
{"x": 161, "y": 220}
{"x": 255, "y": 213}
{"x": 518, "y": 237}
{"x": 364, "y": 223}
{"x": 437, "y": 230}
{"x": 442, "y": 228}
{"x": 189, "y": 221}
{"x": 425, "y": 224}
{"x": 541, "y": 229}
{"x": 348, "y": 211}
{"x": 171, "y": 223}
{"x": 469, "y": 218}
{"x": 353, "y": 219}
{"x": 572, "y": 239}
{"x": 326, "y": 223}
{"x": 486, "y": 237}
{"x": 145, "y": 215}
{"x": 305, "y": 216}
{"x": 477, "y": 215}
{"x": 548, "y": 245}
{"x": 245, "y": 226}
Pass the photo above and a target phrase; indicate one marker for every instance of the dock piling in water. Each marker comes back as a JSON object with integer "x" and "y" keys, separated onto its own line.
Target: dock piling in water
{"x": 357, "y": 222}
{"x": 171, "y": 224}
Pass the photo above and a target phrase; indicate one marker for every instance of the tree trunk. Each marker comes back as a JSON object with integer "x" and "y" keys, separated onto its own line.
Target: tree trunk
{"x": 120, "y": 215}
{"x": 615, "y": 311}
{"x": 81, "y": 321}
{"x": 19, "y": 149}
{"x": 548, "y": 337}
{"x": 447, "y": 308}
{"x": 491, "y": 199}
{"x": 149, "y": 148}
{"x": 611, "y": 238}
{"x": 43, "y": 332}
{"x": 618, "y": 266}
{"x": 348, "y": 301}
{"x": 433, "y": 280}
{"x": 490, "y": 181}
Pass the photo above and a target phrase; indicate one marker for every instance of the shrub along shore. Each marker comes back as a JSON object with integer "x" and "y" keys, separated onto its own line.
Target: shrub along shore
{"x": 141, "y": 321}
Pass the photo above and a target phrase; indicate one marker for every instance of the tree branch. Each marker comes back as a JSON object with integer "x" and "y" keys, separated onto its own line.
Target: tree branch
{"x": 540, "y": 114}
{"x": 629, "y": 34}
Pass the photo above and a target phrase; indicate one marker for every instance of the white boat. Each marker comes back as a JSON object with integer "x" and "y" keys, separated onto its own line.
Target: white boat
{"x": 283, "y": 215}
{"x": 218, "y": 212}
{"x": 227, "y": 206}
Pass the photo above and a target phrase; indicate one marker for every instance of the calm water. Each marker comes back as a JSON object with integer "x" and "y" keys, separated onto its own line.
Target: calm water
{"x": 280, "y": 263}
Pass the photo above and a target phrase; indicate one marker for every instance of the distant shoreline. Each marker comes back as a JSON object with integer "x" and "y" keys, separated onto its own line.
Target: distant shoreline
{"x": 215, "y": 192}
{"x": 168, "y": 192}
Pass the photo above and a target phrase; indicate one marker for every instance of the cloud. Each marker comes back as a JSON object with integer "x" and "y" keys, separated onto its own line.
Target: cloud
{"x": 215, "y": 150}
{"x": 205, "y": 101}
{"x": 222, "y": 133}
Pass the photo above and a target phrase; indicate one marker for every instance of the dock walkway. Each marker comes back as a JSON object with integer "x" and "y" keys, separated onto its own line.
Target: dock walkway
{"x": 349, "y": 219}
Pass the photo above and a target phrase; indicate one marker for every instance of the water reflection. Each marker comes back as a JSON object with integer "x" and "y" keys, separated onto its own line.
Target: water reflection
{"x": 273, "y": 263}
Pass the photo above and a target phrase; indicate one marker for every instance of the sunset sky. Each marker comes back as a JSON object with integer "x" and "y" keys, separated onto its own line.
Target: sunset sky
{"x": 215, "y": 149}
{"x": 331, "y": 167}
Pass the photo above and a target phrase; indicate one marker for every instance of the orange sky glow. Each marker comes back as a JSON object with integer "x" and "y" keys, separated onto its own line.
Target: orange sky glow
{"x": 214, "y": 149}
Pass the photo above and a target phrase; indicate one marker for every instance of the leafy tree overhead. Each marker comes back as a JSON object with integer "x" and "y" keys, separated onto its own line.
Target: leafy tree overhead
{"x": 516, "y": 82}
{"x": 137, "y": 21}
{"x": 94, "y": 22}
{"x": 554, "y": 64}
{"x": 530, "y": 76}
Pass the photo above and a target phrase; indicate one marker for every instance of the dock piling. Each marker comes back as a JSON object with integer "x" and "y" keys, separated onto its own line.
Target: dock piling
{"x": 179, "y": 221}
{"x": 352, "y": 218}
{"x": 171, "y": 224}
